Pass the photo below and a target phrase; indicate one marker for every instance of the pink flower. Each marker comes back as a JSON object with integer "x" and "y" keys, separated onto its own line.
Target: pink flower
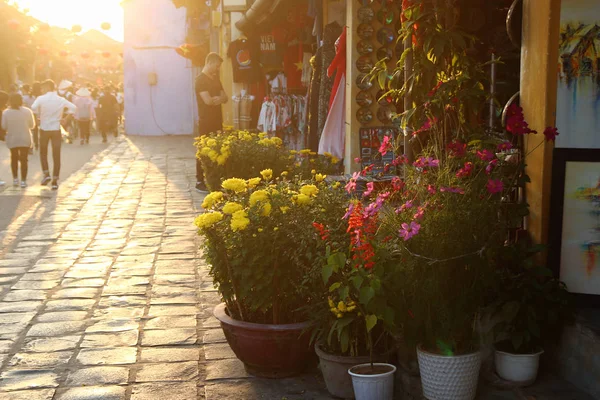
{"x": 465, "y": 171}
{"x": 397, "y": 184}
{"x": 409, "y": 230}
{"x": 370, "y": 188}
{"x": 452, "y": 190}
{"x": 400, "y": 160}
{"x": 504, "y": 146}
{"x": 420, "y": 213}
{"x": 485, "y": 155}
{"x": 357, "y": 160}
{"x": 431, "y": 189}
{"x": 495, "y": 186}
{"x": 386, "y": 145}
{"x": 351, "y": 185}
{"x": 514, "y": 110}
{"x": 433, "y": 91}
{"x": 349, "y": 211}
{"x": 490, "y": 167}
{"x": 551, "y": 134}
{"x": 426, "y": 126}
{"x": 457, "y": 149}
{"x": 404, "y": 207}
{"x": 423, "y": 162}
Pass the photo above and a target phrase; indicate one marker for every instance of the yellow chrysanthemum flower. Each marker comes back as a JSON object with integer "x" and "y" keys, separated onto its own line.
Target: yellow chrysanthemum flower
{"x": 267, "y": 174}
{"x": 260, "y": 230}
{"x": 320, "y": 177}
{"x": 230, "y": 208}
{"x": 306, "y": 151}
{"x": 259, "y": 195}
{"x": 252, "y": 183}
{"x": 327, "y": 154}
{"x": 277, "y": 142}
{"x": 207, "y": 220}
{"x": 284, "y": 173}
{"x": 284, "y": 210}
{"x": 309, "y": 190}
{"x": 335, "y": 160}
{"x": 314, "y": 171}
{"x": 293, "y": 152}
{"x": 213, "y": 155}
{"x": 211, "y": 142}
{"x": 239, "y": 221}
{"x": 262, "y": 135}
{"x": 266, "y": 211}
{"x": 236, "y": 184}
{"x": 303, "y": 199}
{"x": 221, "y": 159}
{"x": 211, "y": 199}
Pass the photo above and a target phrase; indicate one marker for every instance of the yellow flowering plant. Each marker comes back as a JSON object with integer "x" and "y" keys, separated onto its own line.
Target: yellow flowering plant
{"x": 308, "y": 162}
{"x": 260, "y": 242}
{"x": 240, "y": 154}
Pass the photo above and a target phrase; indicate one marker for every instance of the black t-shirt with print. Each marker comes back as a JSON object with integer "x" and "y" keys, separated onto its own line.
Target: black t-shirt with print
{"x": 210, "y": 117}
{"x": 245, "y": 56}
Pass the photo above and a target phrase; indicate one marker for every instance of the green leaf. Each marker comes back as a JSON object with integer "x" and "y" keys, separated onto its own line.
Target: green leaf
{"x": 357, "y": 280}
{"x": 371, "y": 321}
{"x": 388, "y": 315}
{"x": 344, "y": 292}
{"x": 345, "y": 340}
{"x": 334, "y": 286}
{"x": 366, "y": 294}
{"x": 327, "y": 271}
{"x": 345, "y": 321}
{"x": 336, "y": 261}
{"x": 517, "y": 340}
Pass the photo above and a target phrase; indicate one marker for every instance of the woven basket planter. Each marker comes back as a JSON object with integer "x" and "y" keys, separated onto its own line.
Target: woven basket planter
{"x": 449, "y": 377}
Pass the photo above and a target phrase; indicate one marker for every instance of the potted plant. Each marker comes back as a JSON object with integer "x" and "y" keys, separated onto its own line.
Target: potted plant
{"x": 529, "y": 312}
{"x": 240, "y": 154}
{"x": 259, "y": 242}
{"x": 354, "y": 321}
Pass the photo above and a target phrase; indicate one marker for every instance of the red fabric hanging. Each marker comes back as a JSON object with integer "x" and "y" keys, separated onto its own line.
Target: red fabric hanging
{"x": 338, "y": 65}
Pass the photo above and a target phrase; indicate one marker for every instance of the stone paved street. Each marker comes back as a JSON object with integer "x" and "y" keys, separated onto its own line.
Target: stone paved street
{"x": 103, "y": 293}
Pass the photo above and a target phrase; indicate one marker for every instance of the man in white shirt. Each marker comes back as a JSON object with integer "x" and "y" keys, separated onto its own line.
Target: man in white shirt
{"x": 50, "y": 107}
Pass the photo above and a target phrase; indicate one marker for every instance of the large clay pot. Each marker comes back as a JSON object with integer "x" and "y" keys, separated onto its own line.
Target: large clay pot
{"x": 335, "y": 372}
{"x": 449, "y": 377}
{"x": 268, "y": 351}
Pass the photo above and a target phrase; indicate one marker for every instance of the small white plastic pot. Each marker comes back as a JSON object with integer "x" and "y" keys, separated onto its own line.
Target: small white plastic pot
{"x": 520, "y": 369}
{"x": 379, "y": 386}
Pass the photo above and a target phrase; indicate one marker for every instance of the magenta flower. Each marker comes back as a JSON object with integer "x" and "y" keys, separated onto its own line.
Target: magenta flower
{"x": 400, "y": 160}
{"x": 357, "y": 160}
{"x": 495, "y": 186}
{"x": 349, "y": 212}
{"x": 485, "y": 155}
{"x": 551, "y": 134}
{"x": 423, "y": 162}
{"x": 420, "y": 213}
{"x": 406, "y": 206}
{"x": 431, "y": 189}
{"x": 490, "y": 167}
{"x": 370, "y": 188}
{"x": 504, "y": 146}
{"x": 409, "y": 230}
{"x": 452, "y": 190}
{"x": 465, "y": 171}
{"x": 457, "y": 149}
{"x": 397, "y": 184}
{"x": 386, "y": 145}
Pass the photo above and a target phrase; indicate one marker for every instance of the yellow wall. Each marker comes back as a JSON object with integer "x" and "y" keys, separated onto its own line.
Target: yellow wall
{"x": 539, "y": 55}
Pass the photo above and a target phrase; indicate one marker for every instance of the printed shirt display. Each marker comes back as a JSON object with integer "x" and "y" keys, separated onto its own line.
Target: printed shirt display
{"x": 271, "y": 52}
{"x": 245, "y": 55}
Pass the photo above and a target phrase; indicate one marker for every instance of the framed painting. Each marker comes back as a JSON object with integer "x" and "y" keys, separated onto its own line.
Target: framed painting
{"x": 575, "y": 222}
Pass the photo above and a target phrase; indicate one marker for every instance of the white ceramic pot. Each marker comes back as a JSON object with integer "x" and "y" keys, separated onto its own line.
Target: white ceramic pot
{"x": 373, "y": 387}
{"x": 449, "y": 377}
{"x": 521, "y": 369}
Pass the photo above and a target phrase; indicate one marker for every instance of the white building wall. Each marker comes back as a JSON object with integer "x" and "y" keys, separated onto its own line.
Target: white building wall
{"x": 153, "y": 30}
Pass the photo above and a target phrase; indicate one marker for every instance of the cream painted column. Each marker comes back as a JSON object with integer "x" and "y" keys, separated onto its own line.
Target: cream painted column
{"x": 539, "y": 71}
{"x": 352, "y": 124}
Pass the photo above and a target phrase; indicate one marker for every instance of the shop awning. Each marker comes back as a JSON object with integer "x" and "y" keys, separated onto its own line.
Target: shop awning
{"x": 260, "y": 15}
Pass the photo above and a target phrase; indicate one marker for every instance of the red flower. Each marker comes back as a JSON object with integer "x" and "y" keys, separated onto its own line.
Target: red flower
{"x": 324, "y": 233}
{"x": 386, "y": 145}
{"x": 435, "y": 89}
{"x": 485, "y": 155}
{"x": 397, "y": 184}
{"x": 551, "y": 134}
{"x": 490, "y": 167}
{"x": 465, "y": 171}
{"x": 457, "y": 149}
{"x": 504, "y": 146}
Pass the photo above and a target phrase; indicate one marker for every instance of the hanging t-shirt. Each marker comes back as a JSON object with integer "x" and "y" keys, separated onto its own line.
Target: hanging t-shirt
{"x": 293, "y": 60}
{"x": 245, "y": 56}
{"x": 271, "y": 52}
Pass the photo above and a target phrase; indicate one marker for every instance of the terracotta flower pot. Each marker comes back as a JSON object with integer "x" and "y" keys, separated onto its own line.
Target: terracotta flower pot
{"x": 268, "y": 351}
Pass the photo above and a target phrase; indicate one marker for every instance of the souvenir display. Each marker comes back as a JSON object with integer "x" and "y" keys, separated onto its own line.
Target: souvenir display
{"x": 382, "y": 99}
{"x": 365, "y": 64}
{"x": 385, "y": 53}
{"x": 363, "y": 82}
{"x": 366, "y": 14}
{"x": 370, "y": 142}
{"x": 364, "y": 48}
{"x": 385, "y": 113}
{"x": 385, "y": 16}
{"x": 385, "y": 36}
{"x": 365, "y": 31}
{"x": 364, "y": 116}
{"x": 364, "y": 99}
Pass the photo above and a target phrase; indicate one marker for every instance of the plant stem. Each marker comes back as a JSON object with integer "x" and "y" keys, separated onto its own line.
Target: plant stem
{"x": 232, "y": 279}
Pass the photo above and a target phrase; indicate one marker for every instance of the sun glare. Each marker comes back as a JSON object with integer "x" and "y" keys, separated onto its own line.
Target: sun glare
{"x": 90, "y": 14}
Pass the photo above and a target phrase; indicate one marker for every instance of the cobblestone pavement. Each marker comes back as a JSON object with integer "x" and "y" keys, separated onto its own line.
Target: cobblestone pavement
{"x": 103, "y": 293}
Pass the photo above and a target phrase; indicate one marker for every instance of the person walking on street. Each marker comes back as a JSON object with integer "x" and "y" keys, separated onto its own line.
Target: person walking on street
{"x": 36, "y": 91}
{"x": 107, "y": 114}
{"x": 50, "y": 108}
{"x": 210, "y": 96}
{"x": 3, "y": 101}
{"x": 18, "y": 121}
{"x": 85, "y": 113}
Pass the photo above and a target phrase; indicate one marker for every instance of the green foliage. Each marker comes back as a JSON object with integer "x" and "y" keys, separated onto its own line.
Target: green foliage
{"x": 532, "y": 305}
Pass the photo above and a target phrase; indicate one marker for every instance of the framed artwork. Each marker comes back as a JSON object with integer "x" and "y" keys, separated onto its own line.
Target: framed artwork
{"x": 574, "y": 250}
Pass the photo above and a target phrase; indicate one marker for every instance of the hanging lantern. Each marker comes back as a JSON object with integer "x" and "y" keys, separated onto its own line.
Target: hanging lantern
{"x": 44, "y": 27}
{"x": 76, "y": 28}
{"x": 63, "y": 53}
{"x": 85, "y": 54}
{"x": 105, "y": 26}
{"x": 14, "y": 24}
{"x": 106, "y": 54}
